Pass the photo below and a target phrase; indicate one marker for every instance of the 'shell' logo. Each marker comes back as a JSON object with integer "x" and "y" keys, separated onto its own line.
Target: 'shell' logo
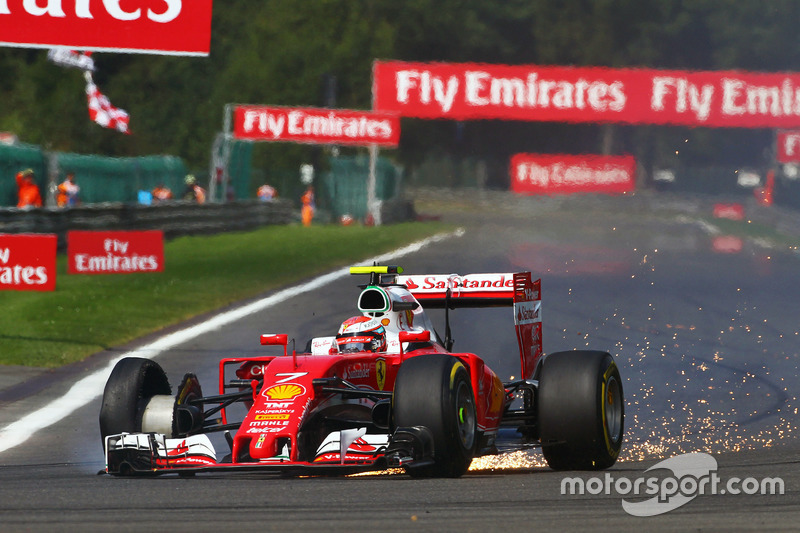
{"x": 289, "y": 391}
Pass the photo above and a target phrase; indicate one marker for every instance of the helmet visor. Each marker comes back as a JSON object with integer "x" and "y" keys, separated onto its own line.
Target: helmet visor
{"x": 358, "y": 343}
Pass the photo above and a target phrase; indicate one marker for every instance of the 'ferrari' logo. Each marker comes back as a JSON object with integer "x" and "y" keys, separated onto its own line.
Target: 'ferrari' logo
{"x": 380, "y": 373}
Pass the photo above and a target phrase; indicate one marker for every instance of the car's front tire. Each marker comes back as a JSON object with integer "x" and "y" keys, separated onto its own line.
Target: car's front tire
{"x": 435, "y": 391}
{"x": 133, "y": 382}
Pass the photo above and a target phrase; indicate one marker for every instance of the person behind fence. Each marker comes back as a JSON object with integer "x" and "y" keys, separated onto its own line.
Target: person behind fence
{"x": 309, "y": 206}
{"x": 193, "y": 192}
{"x": 161, "y": 193}
{"x": 68, "y": 191}
{"x": 28, "y": 193}
{"x": 267, "y": 193}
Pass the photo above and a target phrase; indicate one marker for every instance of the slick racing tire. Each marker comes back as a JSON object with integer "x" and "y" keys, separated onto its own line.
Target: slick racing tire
{"x": 434, "y": 391}
{"x": 580, "y": 410}
{"x": 130, "y": 387}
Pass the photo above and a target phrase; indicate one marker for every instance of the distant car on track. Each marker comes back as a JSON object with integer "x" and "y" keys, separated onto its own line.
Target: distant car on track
{"x": 386, "y": 391}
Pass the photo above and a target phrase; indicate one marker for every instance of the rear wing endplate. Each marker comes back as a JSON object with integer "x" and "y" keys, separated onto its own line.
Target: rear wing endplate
{"x": 528, "y": 321}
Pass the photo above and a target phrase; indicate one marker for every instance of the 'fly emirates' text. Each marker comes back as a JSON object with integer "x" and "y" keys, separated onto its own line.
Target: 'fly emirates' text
{"x": 672, "y": 94}
{"x": 115, "y": 263}
{"x": 20, "y": 274}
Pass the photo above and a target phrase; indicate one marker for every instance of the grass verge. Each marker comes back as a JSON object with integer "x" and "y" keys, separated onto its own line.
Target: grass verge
{"x": 87, "y": 314}
{"x": 753, "y": 230}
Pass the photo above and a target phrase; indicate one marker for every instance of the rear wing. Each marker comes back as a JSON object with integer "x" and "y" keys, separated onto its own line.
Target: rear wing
{"x": 471, "y": 290}
{"x": 452, "y": 291}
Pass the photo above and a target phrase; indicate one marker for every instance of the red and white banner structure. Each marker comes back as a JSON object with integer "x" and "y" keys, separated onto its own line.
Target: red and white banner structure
{"x": 315, "y": 125}
{"x": 789, "y": 146}
{"x": 28, "y": 262}
{"x": 171, "y": 27}
{"x": 115, "y": 252}
{"x": 567, "y": 174}
{"x": 465, "y": 91}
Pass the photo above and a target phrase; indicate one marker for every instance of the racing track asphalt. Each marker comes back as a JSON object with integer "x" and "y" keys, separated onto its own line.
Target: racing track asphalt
{"x": 707, "y": 344}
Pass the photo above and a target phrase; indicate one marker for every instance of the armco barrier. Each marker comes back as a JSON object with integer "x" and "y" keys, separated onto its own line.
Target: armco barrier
{"x": 174, "y": 218}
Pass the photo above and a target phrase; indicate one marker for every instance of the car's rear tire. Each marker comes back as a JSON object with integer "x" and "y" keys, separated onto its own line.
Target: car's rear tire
{"x": 131, "y": 385}
{"x": 435, "y": 391}
{"x": 581, "y": 410}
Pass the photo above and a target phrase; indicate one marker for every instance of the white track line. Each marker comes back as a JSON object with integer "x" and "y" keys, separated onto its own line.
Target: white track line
{"x": 91, "y": 387}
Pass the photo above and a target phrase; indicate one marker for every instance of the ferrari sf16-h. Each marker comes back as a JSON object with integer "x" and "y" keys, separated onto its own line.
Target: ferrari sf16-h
{"x": 385, "y": 392}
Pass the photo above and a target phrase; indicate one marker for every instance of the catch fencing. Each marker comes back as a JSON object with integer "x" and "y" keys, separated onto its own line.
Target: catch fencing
{"x": 101, "y": 179}
{"x": 345, "y": 185}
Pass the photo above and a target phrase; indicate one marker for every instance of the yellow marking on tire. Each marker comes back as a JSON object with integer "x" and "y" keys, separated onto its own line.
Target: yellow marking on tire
{"x": 604, "y": 391}
{"x": 453, "y": 373}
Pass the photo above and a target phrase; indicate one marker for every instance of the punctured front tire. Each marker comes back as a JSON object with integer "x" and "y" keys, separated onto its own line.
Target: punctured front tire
{"x": 581, "y": 411}
{"x": 435, "y": 391}
{"x": 131, "y": 385}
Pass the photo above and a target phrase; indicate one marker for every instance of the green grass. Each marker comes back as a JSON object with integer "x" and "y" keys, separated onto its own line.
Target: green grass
{"x": 754, "y": 230}
{"x": 87, "y": 314}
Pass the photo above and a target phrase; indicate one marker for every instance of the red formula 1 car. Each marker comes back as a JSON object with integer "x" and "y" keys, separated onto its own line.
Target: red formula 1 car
{"x": 385, "y": 392}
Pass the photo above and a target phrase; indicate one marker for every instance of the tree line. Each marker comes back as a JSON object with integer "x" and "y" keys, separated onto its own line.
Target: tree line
{"x": 320, "y": 53}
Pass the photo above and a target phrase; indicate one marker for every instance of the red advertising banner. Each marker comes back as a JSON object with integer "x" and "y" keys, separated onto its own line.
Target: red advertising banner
{"x": 731, "y": 211}
{"x": 28, "y": 262}
{"x": 565, "y": 94}
{"x": 115, "y": 252}
{"x": 315, "y": 126}
{"x": 567, "y": 174}
{"x": 172, "y": 27}
{"x": 789, "y": 146}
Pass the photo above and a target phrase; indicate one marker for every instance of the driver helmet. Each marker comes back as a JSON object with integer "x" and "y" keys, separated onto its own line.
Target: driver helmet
{"x": 361, "y": 334}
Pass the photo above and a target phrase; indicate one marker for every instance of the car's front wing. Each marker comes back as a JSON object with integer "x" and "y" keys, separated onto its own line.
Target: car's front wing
{"x": 154, "y": 454}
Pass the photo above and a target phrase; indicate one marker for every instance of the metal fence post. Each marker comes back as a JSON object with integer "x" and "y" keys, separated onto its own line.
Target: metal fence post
{"x": 51, "y": 159}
